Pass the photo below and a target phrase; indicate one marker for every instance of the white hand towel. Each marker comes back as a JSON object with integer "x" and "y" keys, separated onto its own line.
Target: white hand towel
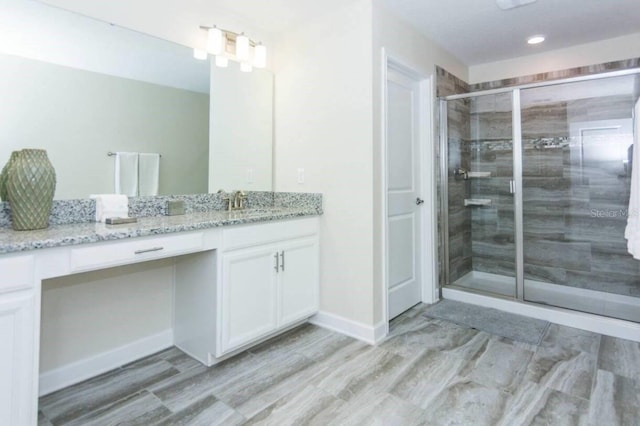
{"x": 148, "y": 174}
{"x": 127, "y": 173}
{"x": 632, "y": 231}
{"x": 111, "y": 205}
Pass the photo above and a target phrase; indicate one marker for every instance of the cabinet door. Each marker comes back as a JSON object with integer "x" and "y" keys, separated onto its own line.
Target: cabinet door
{"x": 248, "y": 299}
{"x": 16, "y": 358}
{"x": 299, "y": 286}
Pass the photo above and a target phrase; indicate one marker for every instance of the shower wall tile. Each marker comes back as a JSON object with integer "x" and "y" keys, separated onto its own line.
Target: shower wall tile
{"x": 491, "y": 125}
{"x": 500, "y": 247}
{"x": 556, "y": 75}
{"x": 624, "y": 284}
{"x": 575, "y": 256}
{"x": 613, "y": 258}
{"x": 602, "y": 108}
{"x": 543, "y": 162}
{"x": 544, "y": 223}
{"x": 494, "y": 266}
{"x": 545, "y": 274}
{"x": 544, "y": 121}
{"x": 458, "y": 157}
{"x": 595, "y": 229}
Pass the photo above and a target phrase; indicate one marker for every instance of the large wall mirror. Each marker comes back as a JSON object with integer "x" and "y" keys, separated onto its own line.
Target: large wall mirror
{"x": 81, "y": 88}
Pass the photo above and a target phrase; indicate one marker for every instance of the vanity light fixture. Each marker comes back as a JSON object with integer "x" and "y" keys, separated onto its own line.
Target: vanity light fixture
{"x": 227, "y": 45}
{"x": 536, "y": 39}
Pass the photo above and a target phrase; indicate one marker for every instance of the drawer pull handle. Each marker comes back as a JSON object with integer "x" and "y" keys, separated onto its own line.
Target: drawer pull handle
{"x": 148, "y": 250}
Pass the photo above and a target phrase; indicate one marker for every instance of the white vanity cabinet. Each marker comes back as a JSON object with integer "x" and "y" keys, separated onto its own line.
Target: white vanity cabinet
{"x": 234, "y": 286}
{"x": 268, "y": 280}
{"x": 17, "y": 345}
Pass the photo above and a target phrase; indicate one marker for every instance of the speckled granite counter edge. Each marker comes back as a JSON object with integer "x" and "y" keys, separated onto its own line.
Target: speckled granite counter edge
{"x": 84, "y": 210}
{"x": 85, "y": 233}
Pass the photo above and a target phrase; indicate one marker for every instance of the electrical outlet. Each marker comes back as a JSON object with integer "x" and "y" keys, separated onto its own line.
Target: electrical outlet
{"x": 300, "y": 175}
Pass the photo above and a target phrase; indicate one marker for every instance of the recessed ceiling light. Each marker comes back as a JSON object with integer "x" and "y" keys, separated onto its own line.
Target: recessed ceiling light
{"x": 536, "y": 39}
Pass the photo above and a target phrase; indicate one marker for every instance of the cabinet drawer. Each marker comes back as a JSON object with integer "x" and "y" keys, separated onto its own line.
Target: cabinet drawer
{"x": 16, "y": 273}
{"x": 134, "y": 250}
{"x": 265, "y": 233}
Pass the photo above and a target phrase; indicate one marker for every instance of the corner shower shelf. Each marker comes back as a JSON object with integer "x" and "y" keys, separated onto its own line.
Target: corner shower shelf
{"x": 478, "y": 174}
{"x": 477, "y": 202}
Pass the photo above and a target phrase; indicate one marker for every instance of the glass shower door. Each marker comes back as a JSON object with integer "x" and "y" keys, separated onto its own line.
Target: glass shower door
{"x": 479, "y": 183}
{"x": 576, "y": 145}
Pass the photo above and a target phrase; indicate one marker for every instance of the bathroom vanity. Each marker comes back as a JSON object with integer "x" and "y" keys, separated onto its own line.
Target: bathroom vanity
{"x": 240, "y": 278}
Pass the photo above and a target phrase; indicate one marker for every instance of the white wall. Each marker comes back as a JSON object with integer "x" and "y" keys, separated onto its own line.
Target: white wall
{"x": 323, "y": 124}
{"x": 598, "y": 52}
{"x": 175, "y": 21}
{"x": 87, "y": 314}
{"x": 406, "y": 45}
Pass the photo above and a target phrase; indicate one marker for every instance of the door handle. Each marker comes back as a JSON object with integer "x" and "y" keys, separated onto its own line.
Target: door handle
{"x": 419, "y": 201}
{"x": 282, "y": 260}
{"x": 277, "y": 257}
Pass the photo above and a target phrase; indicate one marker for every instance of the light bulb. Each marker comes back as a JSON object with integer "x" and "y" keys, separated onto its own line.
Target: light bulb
{"x": 245, "y": 67}
{"x": 215, "y": 41}
{"x": 200, "y": 54}
{"x": 242, "y": 47}
{"x": 260, "y": 56}
{"x": 222, "y": 61}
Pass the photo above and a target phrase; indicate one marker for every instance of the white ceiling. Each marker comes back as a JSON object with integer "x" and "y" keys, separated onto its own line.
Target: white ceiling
{"x": 475, "y": 31}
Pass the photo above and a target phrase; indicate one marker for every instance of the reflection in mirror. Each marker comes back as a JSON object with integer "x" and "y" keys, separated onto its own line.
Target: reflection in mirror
{"x": 81, "y": 88}
{"x": 241, "y": 112}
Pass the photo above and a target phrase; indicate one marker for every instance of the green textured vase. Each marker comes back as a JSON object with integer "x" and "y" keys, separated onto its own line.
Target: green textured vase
{"x": 30, "y": 184}
{"x": 4, "y": 175}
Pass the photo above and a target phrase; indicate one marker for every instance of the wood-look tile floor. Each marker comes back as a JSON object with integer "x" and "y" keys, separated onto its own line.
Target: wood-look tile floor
{"x": 427, "y": 372}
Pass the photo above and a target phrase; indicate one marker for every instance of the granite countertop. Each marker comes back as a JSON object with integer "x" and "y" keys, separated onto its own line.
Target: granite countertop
{"x": 82, "y": 233}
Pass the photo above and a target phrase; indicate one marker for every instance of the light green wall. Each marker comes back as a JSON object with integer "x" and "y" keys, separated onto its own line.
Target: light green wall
{"x": 78, "y": 116}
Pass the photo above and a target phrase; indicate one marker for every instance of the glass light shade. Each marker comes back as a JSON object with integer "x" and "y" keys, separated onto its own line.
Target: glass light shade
{"x": 222, "y": 61}
{"x": 245, "y": 67}
{"x": 242, "y": 47}
{"x": 200, "y": 54}
{"x": 260, "y": 56}
{"x": 215, "y": 41}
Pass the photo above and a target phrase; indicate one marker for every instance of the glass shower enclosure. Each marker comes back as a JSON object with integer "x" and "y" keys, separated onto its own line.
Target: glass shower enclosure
{"x": 535, "y": 185}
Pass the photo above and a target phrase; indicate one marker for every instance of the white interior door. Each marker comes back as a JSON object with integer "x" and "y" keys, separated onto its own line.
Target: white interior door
{"x": 404, "y": 198}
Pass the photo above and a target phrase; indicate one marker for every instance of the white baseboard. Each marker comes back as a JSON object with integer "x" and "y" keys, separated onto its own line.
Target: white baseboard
{"x": 367, "y": 333}
{"x": 76, "y": 372}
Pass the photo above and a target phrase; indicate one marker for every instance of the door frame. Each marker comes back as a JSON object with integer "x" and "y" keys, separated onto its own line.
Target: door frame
{"x": 428, "y": 215}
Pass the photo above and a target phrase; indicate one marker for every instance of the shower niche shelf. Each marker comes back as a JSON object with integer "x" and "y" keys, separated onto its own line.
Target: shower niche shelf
{"x": 468, "y": 202}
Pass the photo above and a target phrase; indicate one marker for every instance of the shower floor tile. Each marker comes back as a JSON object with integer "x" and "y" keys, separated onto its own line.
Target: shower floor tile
{"x": 425, "y": 372}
